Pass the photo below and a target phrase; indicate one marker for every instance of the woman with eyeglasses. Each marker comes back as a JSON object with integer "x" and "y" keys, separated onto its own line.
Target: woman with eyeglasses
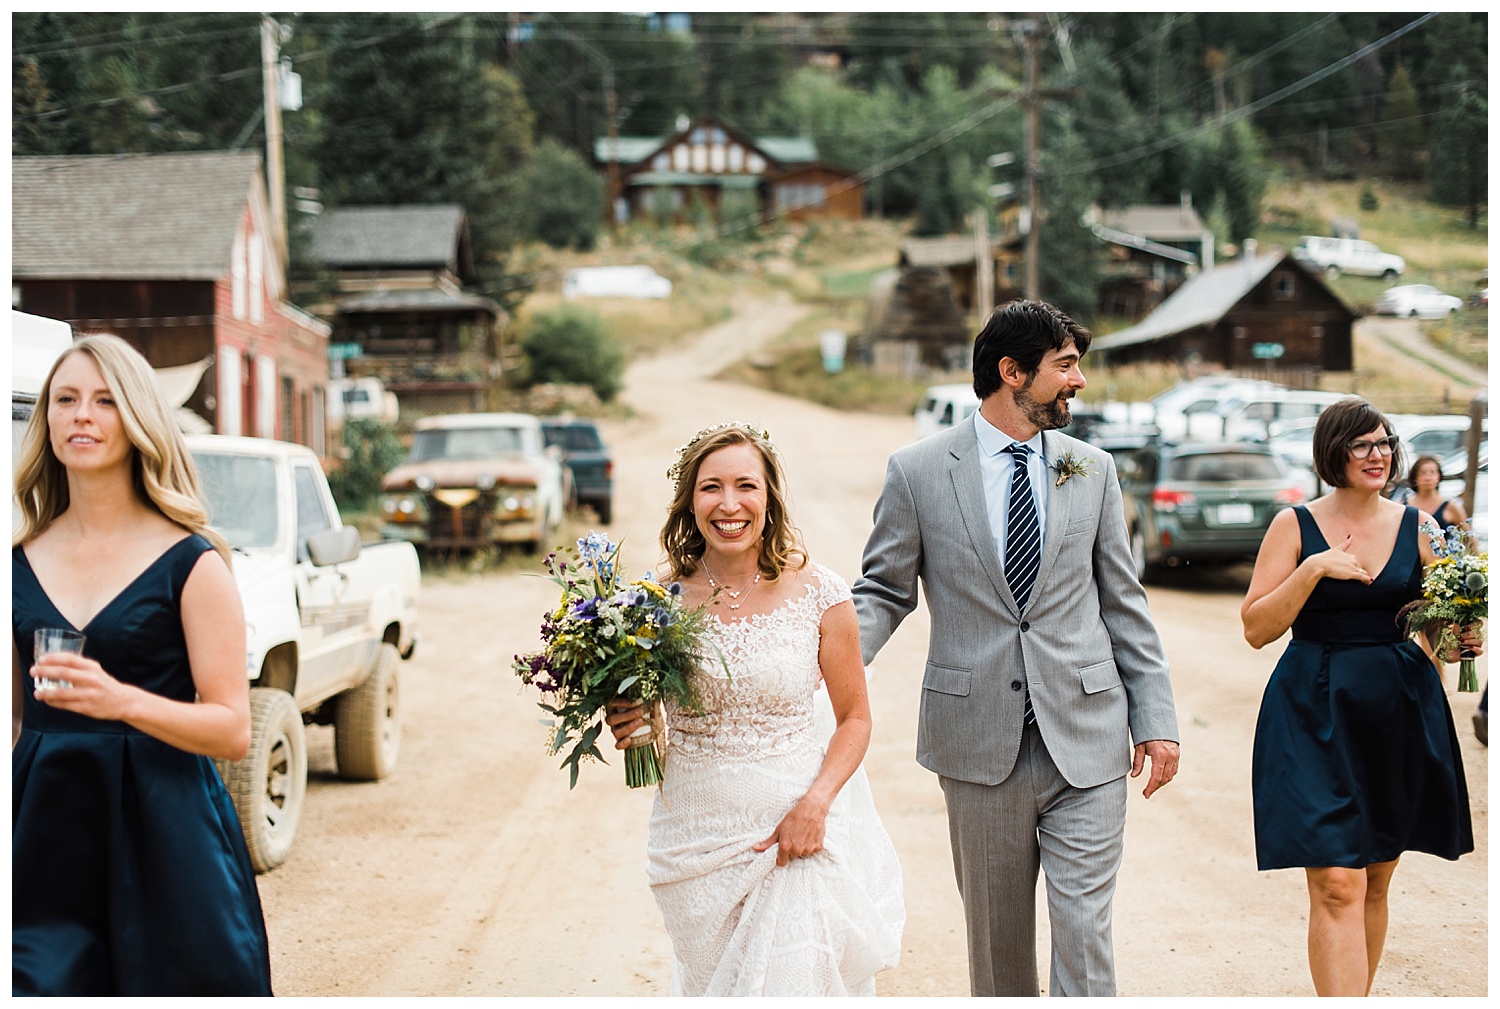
{"x": 1356, "y": 760}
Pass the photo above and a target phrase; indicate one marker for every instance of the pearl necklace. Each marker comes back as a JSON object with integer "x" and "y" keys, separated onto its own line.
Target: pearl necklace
{"x": 737, "y": 596}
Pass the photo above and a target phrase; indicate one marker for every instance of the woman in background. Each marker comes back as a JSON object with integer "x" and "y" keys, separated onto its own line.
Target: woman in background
{"x": 129, "y": 873}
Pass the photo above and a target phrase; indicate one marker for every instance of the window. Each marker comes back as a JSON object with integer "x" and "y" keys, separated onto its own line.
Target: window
{"x": 793, "y": 197}
{"x": 1228, "y": 467}
{"x": 311, "y": 516}
{"x": 237, "y": 276}
{"x": 661, "y": 163}
{"x": 257, "y": 286}
{"x": 288, "y": 410}
{"x": 239, "y": 491}
{"x": 1284, "y": 286}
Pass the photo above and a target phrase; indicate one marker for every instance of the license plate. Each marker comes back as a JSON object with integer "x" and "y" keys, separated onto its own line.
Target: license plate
{"x": 1237, "y": 514}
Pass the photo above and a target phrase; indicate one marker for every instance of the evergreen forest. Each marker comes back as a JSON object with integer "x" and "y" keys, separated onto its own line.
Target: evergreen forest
{"x": 501, "y": 112}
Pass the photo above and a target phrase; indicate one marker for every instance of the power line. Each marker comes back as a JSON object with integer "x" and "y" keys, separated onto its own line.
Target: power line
{"x": 1229, "y": 118}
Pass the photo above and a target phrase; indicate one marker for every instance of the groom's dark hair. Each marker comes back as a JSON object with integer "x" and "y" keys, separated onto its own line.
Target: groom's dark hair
{"x": 1025, "y": 331}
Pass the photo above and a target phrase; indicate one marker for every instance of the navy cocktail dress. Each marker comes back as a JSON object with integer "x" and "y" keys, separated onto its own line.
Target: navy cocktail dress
{"x": 1356, "y": 760}
{"x": 129, "y": 874}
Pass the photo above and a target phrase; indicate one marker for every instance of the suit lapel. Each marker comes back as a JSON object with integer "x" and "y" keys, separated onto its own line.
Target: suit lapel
{"x": 968, "y": 485}
{"x": 1059, "y": 508}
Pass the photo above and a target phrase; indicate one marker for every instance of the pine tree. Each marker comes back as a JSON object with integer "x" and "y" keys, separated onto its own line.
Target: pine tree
{"x": 1404, "y": 140}
{"x": 1460, "y": 154}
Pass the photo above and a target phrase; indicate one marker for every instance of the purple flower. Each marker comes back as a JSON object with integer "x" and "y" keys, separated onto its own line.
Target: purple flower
{"x": 584, "y": 609}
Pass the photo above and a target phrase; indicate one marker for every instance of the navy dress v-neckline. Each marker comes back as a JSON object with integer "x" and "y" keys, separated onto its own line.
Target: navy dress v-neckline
{"x": 1355, "y": 758}
{"x": 129, "y": 871}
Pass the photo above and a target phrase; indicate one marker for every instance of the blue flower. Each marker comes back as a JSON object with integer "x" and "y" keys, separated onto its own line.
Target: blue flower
{"x": 584, "y": 609}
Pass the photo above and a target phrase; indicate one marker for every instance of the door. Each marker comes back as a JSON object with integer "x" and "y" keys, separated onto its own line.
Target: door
{"x": 332, "y": 625}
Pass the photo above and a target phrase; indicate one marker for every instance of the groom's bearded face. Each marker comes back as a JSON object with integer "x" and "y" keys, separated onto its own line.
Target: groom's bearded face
{"x": 1047, "y": 409}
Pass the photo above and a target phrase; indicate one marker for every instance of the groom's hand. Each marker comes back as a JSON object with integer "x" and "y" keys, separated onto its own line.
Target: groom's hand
{"x": 1164, "y": 755}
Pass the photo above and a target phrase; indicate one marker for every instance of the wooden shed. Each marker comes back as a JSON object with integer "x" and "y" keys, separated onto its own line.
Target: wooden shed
{"x": 1263, "y": 314}
{"x": 913, "y": 324}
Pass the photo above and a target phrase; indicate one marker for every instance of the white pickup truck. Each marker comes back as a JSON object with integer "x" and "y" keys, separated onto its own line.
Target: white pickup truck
{"x": 327, "y": 618}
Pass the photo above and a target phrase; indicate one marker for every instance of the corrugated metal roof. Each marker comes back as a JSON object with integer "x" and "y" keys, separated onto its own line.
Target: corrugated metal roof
{"x": 1165, "y": 223}
{"x": 695, "y": 179}
{"x": 789, "y": 150}
{"x": 631, "y": 149}
{"x": 418, "y": 300}
{"x": 946, "y": 250}
{"x": 140, "y": 216}
{"x": 1202, "y": 300}
{"x": 425, "y": 236}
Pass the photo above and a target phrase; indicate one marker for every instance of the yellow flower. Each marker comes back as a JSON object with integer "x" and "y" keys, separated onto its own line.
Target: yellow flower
{"x": 650, "y": 587}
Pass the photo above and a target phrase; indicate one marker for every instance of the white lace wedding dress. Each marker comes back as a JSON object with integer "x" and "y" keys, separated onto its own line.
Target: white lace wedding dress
{"x": 741, "y": 925}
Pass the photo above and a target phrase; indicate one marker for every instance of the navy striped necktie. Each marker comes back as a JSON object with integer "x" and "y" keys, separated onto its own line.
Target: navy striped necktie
{"x": 1023, "y": 541}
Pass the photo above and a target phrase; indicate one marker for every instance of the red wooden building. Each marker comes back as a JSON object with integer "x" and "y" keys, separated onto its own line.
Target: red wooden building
{"x": 174, "y": 252}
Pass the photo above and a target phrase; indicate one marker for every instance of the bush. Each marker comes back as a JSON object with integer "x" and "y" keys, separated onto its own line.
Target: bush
{"x": 569, "y": 344}
{"x": 371, "y": 450}
{"x": 1367, "y": 200}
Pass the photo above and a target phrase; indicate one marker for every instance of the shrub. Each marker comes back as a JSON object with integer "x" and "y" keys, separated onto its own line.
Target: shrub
{"x": 371, "y": 450}
{"x": 1367, "y": 200}
{"x": 569, "y": 344}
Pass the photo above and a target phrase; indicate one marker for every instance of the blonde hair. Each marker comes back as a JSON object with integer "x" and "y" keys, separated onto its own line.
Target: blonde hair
{"x": 780, "y": 545}
{"x": 161, "y": 470}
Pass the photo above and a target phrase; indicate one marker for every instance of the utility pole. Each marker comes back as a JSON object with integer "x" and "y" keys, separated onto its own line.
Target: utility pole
{"x": 270, "y": 40}
{"x": 1033, "y": 103}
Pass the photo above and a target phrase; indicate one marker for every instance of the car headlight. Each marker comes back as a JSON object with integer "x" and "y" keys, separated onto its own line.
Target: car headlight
{"x": 516, "y": 503}
{"x": 425, "y": 483}
{"x": 486, "y": 481}
{"x": 403, "y": 507}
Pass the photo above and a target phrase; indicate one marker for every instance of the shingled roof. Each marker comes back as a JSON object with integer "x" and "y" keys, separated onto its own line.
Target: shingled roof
{"x": 136, "y": 216}
{"x": 426, "y": 236}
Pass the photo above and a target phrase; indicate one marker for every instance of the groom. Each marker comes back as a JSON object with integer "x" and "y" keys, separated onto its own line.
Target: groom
{"x": 1043, "y": 664}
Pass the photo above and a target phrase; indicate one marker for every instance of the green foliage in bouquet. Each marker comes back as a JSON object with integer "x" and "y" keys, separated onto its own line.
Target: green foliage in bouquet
{"x": 1455, "y": 593}
{"x": 607, "y": 638}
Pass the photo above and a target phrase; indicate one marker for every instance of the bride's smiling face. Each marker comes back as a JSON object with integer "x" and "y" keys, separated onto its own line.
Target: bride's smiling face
{"x": 729, "y": 499}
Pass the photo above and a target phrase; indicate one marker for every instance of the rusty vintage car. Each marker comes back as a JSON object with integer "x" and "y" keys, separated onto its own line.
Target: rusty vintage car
{"x": 474, "y": 480}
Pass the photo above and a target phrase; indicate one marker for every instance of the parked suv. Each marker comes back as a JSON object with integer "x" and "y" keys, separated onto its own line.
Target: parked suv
{"x": 1202, "y": 503}
{"x": 473, "y": 480}
{"x": 588, "y": 459}
{"x": 1349, "y": 255}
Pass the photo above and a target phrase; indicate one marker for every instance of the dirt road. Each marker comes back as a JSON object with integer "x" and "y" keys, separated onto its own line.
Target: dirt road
{"x": 475, "y": 871}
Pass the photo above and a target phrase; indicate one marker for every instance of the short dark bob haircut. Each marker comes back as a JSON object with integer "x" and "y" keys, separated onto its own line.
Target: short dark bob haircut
{"x": 1416, "y": 464}
{"x": 1338, "y": 426}
{"x": 1024, "y": 331}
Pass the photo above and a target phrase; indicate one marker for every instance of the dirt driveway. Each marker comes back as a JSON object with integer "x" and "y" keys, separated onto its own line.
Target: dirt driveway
{"x": 475, "y": 871}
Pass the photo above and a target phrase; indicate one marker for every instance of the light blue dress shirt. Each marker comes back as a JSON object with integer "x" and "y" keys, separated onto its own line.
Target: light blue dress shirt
{"x": 997, "y": 465}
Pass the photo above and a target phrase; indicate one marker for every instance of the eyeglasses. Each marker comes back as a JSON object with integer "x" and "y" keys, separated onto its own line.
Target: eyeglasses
{"x": 1362, "y": 449}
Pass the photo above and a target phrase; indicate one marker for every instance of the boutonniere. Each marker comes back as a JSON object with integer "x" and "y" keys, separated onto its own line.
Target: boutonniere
{"x": 1070, "y": 465}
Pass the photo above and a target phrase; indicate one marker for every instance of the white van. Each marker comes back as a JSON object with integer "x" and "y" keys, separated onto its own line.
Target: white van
{"x": 361, "y": 399}
{"x": 1350, "y": 255}
{"x": 943, "y": 406}
{"x": 35, "y": 343}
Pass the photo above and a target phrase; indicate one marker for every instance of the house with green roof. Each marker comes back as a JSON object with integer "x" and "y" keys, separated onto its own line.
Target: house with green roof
{"x": 705, "y": 159}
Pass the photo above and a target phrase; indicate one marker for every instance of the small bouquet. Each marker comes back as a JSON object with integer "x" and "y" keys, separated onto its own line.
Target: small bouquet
{"x": 1455, "y": 592}
{"x": 611, "y": 638}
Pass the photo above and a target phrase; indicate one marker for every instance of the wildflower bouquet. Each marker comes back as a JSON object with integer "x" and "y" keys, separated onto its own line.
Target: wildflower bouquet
{"x": 611, "y": 638}
{"x": 1455, "y": 592}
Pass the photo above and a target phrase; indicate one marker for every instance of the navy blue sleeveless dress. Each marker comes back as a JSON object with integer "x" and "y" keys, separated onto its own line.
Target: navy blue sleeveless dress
{"x": 129, "y": 874}
{"x": 1356, "y": 760}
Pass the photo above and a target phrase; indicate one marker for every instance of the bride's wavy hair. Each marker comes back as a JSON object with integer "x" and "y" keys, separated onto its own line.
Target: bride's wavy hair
{"x": 781, "y": 542}
{"x": 161, "y": 469}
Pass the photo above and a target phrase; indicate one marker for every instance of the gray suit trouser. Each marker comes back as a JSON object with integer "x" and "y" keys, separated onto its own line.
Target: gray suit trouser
{"x": 1001, "y": 835}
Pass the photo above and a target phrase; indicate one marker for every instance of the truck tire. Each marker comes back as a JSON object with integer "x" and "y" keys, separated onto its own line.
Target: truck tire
{"x": 606, "y": 511}
{"x": 268, "y": 786}
{"x": 367, "y": 722}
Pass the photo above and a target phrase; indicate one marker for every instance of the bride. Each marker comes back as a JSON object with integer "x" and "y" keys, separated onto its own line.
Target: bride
{"x": 772, "y": 871}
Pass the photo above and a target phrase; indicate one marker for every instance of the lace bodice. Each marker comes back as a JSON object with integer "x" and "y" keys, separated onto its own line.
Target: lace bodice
{"x": 764, "y": 706}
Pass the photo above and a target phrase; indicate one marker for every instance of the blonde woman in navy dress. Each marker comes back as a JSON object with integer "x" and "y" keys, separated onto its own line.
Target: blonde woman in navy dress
{"x": 129, "y": 874}
{"x": 1356, "y": 760}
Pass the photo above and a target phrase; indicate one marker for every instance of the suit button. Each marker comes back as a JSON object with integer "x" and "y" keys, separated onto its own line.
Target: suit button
{"x": 1015, "y": 684}
{"x": 1025, "y": 625}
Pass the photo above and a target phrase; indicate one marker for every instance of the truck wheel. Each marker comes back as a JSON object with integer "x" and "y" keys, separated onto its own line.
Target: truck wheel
{"x": 268, "y": 786}
{"x": 367, "y": 722}
{"x": 1330, "y": 271}
{"x": 606, "y": 511}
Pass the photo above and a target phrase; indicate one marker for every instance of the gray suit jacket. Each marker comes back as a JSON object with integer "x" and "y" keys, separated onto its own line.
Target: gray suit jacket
{"x": 1085, "y": 647}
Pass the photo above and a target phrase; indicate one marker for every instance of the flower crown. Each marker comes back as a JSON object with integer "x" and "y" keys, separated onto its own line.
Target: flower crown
{"x": 674, "y": 471}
